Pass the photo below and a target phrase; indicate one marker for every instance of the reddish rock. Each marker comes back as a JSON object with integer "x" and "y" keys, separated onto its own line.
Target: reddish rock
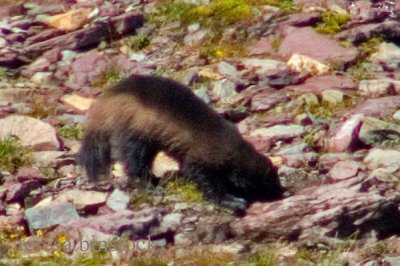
{"x": 262, "y": 46}
{"x": 17, "y": 192}
{"x": 361, "y": 33}
{"x": 267, "y": 98}
{"x": 318, "y": 84}
{"x": 320, "y": 3}
{"x": 379, "y": 107}
{"x": 306, "y": 41}
{"x": 32, "y": 132}
{"x": 26, "y": 173}
{"x": 344, "y": 170}
{"x": 346, "y": 135}
{"x": 304, "y": 19}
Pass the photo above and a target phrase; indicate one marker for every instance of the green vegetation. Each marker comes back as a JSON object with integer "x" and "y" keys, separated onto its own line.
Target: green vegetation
{"x": 137, "y": 42}
{"x": 72, "y": 131}
{"x": 41, "y": 108}
{"x": 218, "y": 14}
{"x": 3, "y": 73}
{"x": 332, "y": 22}
{"x": 187, "y": 191}
{"x": 360, "y": 70}
{"x": 13, "y": 155}
{"x": 110, "y": 76}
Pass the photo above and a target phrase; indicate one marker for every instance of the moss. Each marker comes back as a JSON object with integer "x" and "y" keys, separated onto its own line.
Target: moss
{"x": 137, "y": 42}
{"x": 98, "y": 257}
{"x": 285, "y": 5}
{"x": 332, "y": 22}
{"x": 187, "y": 191}
{"x": 13, "y": 155}
{"x": 3, "y": 73}
{"x": 276, "y": 43}
{"x": 110, "y": 76}
{"x": 370, "y": 46}
{"x": 73, "y": 131}
{"x": 213, "y": 50}
{"x": 41, "y": 107}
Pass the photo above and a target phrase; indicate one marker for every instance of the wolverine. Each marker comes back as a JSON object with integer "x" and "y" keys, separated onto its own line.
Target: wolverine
{"x": 143, "y": 115}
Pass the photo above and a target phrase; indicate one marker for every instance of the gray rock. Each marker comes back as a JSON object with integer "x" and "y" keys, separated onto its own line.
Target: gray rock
{"x": 48, "y": 216}
{"x": 333, "y": 97}
{"x": 223, "y": 89}
{"x": 376, "y": 132}
{"x": 227, "y": 70}
{"x": 195, "y": 38}
{"x": 118, "y": 200}
{"x": 388, "y": 55}
{"x": 344, "y": 170}
{"x": 172, "y": 221}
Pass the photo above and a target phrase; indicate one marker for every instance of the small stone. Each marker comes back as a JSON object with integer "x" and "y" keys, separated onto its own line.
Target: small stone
{"x": 195, "y": 37}
{"x": 47, "y": 216}
{"x": 344, "y": 170}
{"x": 79, "y": 103}
{"x": 172, "y": 221}
{"x": 396, "y": 115}
{"x": 41, "y": 77}
{"x": 346, "y": 135}
{"x": 234, "y": 248}
{"x": 223, "y": 89}
{"x": 279, "y": 131}
{"x": 118, "y": 200}
{"x": 209, "y": 73}
{"x": 304, "y": 63}
{"x": 333, "y": 97}
{"x": 227, "y": 70}
{"x": 69, "y": 21}
{"x": 182, "y": 239}
{"x": 13, "y": 209}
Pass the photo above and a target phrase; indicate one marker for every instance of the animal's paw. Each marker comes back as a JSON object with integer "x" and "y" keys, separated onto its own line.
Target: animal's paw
{"x": 236, "y": 204}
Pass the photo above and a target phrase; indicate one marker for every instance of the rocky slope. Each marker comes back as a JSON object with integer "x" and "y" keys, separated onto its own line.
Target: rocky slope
{"x": 314, "y": 85}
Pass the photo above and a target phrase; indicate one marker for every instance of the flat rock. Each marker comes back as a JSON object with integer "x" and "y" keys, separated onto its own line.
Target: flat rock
{"x": 379, "y": 107}
{"x": 379, "y": 87}
{"x": 265, "y": 99}
{"x": 47, "y": 158}
{"x": 300, "y": 63}
{"x": 79, "y": 103}
{"x": 82, "y": 199}
{"x": 305, "y": 41}
{"x": 42, "y": 217}
{"x": 375, "y": 132}
{"x": 388, "y": 55}
{"x": 70, "y": 20}
{"x": 279, "y": 132}
{"x": 378, "y": 158}
{"x": 32, "y": 132}
{"x": 344, "y": 169}
{"x": 318, "y": 84}
{"x": 346, "y": 135}
{"x": 18, "y": 191}
{"x": 118, "y": 200}
{"x": 29, "y": 173}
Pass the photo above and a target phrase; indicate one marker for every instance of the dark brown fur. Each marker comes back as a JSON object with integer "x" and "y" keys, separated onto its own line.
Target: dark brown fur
{"x": 143, "y": 115}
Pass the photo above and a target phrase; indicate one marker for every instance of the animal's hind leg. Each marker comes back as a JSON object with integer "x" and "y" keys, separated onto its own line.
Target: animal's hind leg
{"x": 138, "y": 154}
{"x": 94, "y": 155}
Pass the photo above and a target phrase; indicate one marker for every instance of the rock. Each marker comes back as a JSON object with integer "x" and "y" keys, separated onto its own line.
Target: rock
{"x": 32, "y": 132}
{"x": 333, "y": 97}
{"x": 388, "y": 55}
{"x": 318, "y": 84}
{"x": 164, "y": 164}
{"x": 25, "y": 174}
{"x": 172, "y": 221}
{"x": 182, "y": 239}
{"x": 293, "y": 149}
{"x": 82, "y": 199}
{"x": 13, "y": 94}
{"x": 304, "y": 19}
{"x": 227, "y": 70}
{"x": 261, "y": 46}
{"x": 223, "y": 89}
{"x": 41, "y": 77}
{"x": 79, "y": 103}
{"x": 116, "y": 25}
{"x": 263, "y": 67}
{"x": 346, "y": 135}
{"x": 279, "y": 132}
{"x": 379, "y": 87}
{"x": 47, "y": 158}
{"x": 300, "y": 63}
{"x": 344, "y": 170}
{"x": 47, "y": 216}
{"x": 267, "y": 98}
{"x": 209, "y": 73}
{"x": 387, "y": 159}
{"x": 375, "y": 132}
{"x": 363, "y": 32}
{"x": 17, "y": 192}
{"x": 300, "y": 159}
{"x": 118, "y": 200}
{"x": 304, "y": 40}
{"x": 233, "y": 248}
{"x": 379, "y": 107}
{"x": 69, "y": 21}
{"x": 39, "y": 65}
{"x": 195, "y": 38}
